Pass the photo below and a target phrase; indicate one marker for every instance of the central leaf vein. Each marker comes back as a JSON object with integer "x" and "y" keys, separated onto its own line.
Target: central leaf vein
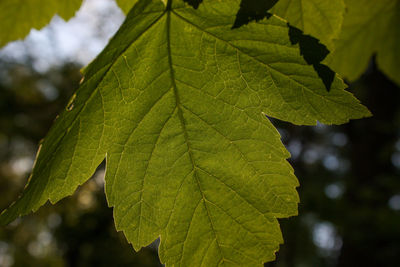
{"x": 183, "y": 126}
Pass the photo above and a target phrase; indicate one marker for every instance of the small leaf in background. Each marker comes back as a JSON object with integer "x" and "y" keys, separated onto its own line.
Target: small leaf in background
{"x": 17, "y": 18}
{"x": 369, "y": 27}
{"x": 177, "y": 104}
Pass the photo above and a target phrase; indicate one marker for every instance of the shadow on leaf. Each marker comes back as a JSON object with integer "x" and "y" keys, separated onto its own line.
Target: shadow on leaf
{"x": 311, "y": 49}
{"x": 313, "y": 53}
{"x": 253, "y": 10}
{"x": 194, "y": 3}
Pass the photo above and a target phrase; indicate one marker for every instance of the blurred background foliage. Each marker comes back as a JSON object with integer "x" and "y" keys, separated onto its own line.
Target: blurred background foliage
{"x": 349, "y": 213}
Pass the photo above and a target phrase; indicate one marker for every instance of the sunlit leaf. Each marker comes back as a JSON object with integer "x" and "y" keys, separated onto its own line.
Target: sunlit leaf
{"x": 177, "y": 104}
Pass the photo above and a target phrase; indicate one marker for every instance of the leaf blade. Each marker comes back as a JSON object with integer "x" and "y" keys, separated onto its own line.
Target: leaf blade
{"x": 190, "y": 154}
{"x": 88, "y": 104}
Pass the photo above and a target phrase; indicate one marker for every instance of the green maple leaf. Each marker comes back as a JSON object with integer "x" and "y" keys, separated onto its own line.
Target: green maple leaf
{"x": 18, "y": 18}
{"x": 176, "y": 104}
{"x": 369, "y": 27}
{"x": 319, "y": 18}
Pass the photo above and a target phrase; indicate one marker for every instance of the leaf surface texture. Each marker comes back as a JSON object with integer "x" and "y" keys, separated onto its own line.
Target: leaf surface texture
{"x": 176, "y": 103}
